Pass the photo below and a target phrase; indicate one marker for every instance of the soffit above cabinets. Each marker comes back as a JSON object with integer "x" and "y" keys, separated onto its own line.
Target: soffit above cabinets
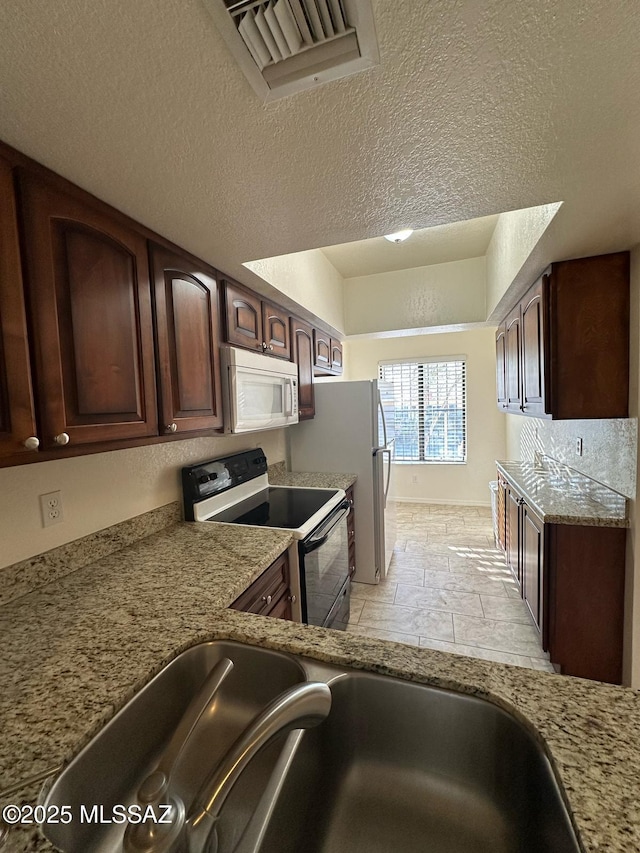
{"x": 286, "y": 46}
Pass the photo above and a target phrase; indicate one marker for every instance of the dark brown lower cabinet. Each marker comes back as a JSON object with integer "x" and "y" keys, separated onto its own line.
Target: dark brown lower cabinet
{"x": 572, "y": 580}
{"x": 532, "y": 570}
{"x": 270, "y": 594}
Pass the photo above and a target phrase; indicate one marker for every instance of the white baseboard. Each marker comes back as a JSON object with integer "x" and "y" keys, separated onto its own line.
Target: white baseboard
{"x": 442, "y": 502}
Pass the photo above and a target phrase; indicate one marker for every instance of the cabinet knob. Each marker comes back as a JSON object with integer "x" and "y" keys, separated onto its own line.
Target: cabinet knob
{"x": 271, "y": 347}
{"x": 62, "y": 439}
{"x": 32, "y": 443}
{"x": 264, "y": 344}
{"x": 171, "y": 428}
{"x": 292, "y": 598}
{"x": 266, "y": 599}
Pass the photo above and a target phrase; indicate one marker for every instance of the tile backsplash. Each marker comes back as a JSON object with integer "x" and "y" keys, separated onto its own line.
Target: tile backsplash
{"x": 609, "y": 447}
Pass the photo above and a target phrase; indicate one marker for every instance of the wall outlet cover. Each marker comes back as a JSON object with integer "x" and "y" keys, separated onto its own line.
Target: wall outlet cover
{"x": 51, "y": 509}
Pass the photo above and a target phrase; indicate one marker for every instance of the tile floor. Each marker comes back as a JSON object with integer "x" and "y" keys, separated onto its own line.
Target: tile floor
{"x": 448, "y": 588}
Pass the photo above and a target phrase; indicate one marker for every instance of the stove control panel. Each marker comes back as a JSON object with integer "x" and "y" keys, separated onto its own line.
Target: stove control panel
{"x": 210, "y": 478}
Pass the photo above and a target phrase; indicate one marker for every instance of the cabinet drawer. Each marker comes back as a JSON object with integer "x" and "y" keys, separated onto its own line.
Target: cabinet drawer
{"x": 265, "y": 592}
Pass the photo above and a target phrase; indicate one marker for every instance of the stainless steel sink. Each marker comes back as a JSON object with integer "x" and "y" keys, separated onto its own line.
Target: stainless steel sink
{"x": 406, "y": 768}
{"x": 396, "y": 766}
{"x": 110, "y": 769}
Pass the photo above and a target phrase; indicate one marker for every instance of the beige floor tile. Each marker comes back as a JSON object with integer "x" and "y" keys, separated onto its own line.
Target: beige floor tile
{"x": 429, "y": 598}
{"x": 465, "y": 582}
{"x": 408, "y": 620}
{"x": 383, "y": 591}
{"x": 413, "y": 575}
{"x": 396, "y": 636}
{"x": 480, "y": 653}
{"x": 492, "y": 634}
{"x": 507, "y": 610}
{"x": 542, "y": 665}
{"x": 355, "y": 609}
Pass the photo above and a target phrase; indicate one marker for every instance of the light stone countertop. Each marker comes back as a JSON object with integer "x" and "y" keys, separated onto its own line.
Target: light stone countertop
{"x": 76, "y": 650}
{"x": 561, "y": 495}
{"x": 279, "y": 476}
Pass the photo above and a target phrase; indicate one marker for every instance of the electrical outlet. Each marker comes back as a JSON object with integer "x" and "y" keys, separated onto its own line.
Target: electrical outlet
{"x": 51, "y": 509}
{"x": 578, "y": 447}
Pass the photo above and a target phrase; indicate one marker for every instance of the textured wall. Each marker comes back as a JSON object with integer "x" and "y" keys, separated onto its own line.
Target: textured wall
{"x": 309, "y": 279}
{"x": 456, "y": 484}
{"x": 104, "y": 488}
{"x": 437, "y": 295}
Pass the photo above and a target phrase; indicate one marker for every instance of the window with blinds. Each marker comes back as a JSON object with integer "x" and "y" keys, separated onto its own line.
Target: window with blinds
{"x": 430, "y": 409}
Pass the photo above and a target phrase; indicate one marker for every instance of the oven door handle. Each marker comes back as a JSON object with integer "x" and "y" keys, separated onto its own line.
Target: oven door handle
{"x": 339, "y": 513}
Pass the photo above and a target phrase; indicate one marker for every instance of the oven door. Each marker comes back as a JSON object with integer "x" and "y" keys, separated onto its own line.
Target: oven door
{"x": 324, "y": 571}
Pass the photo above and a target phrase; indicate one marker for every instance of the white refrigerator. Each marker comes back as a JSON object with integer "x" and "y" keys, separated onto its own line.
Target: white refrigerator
{"x": 353, "y": 432}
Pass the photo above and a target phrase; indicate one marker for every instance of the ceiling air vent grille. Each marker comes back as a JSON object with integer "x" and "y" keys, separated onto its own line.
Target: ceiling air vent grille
{"x": 285, "y": 46}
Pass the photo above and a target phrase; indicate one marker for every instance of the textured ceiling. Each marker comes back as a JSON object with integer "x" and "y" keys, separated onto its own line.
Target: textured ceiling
{"x": 477, "y": 107}
{"x": 439, "y": 245}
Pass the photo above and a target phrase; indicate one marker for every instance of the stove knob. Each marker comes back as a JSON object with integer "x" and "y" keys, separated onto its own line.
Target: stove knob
{"x": 63, "y": 438}
{"x": 204, "y": 478}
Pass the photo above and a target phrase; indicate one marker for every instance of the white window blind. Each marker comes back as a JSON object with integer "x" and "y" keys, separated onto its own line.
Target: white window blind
{"x": 430, "y": 409}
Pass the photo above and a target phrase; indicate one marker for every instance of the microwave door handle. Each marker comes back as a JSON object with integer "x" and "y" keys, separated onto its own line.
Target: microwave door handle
{"x": 288, "y": 397}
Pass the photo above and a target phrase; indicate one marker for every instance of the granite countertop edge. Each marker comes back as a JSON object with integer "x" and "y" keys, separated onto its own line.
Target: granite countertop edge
{"x": 550, "y": 509}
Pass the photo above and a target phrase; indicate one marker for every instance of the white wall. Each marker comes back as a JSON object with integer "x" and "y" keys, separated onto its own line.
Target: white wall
{"x": 104, "y": 488}
{"x": 310, "y": 280}
{"x": 436, "y": 295}
{"x": 457, "y": 484}
{"x": 514, "y": 238}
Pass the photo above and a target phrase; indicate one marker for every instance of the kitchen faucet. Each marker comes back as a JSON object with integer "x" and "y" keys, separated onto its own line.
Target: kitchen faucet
{"x": 300, "y": 707}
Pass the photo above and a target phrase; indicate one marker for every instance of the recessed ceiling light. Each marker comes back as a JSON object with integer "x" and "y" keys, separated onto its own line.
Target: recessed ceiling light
{"x": 399, "y": 236}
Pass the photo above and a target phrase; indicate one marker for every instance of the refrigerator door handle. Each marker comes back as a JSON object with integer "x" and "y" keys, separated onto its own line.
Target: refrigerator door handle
{"x": 386, "y": 488}
{"x": 384, "y": 420}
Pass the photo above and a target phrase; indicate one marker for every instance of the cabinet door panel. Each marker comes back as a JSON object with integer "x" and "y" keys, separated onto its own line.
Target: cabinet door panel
{"x": 17, "y": 417}
{"x": 243, "y": 315}
{"x": 513, "y": 533}
{"x": 336, "y": 356}
{"x": 322, "y": 350}
{"x": 302, "y": 341}
{"x": 532, "y": 558}
{"x": 275, "y": 327}
{"x": 501, "y": 366}
{"x": 91, "y": 307}
{"x": 188, "y": 342}
{"x": 533, "y": 361}
{"x": 512, "y": 346}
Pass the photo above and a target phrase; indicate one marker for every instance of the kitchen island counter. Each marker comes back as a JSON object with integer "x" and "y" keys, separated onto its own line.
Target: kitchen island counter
{"x": 77, "y": 649}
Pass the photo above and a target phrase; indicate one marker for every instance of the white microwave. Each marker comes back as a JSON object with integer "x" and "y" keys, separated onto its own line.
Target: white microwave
{"x": 259, "y": 391}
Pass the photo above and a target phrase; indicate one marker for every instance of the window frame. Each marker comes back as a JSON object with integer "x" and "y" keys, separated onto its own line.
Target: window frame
{"x": 422, "y": 413}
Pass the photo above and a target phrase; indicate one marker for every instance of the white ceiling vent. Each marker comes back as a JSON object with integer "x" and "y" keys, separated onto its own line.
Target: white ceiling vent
{"x": 286, "y": 46}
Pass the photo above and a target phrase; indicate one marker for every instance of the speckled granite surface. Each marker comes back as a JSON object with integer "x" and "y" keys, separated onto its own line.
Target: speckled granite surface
{"x": 27, "y": 575}
{"x": 279, "y": 476}
{"x": 75, "y": 651}
{"x": 561, "y": 495}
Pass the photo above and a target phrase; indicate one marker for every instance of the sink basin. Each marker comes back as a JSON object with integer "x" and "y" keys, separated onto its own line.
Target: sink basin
{"x": 408, "y": 768}
{"x": 110, "y": 769}
{"x": 396, "y": 766}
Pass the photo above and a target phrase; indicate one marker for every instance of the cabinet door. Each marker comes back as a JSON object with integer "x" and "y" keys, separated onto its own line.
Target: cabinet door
{"x": 90, "y": 300}
{"x": 186, "y": 295}
{"x": 533, "y": 563}
{"x": 501, "y": 366}
{"x": 351, "y": 532}
{"x": 322, "y": 351}
{"x": 243, "y": 317}
{"x": 533, "y": 361}
{"x": 513, "y": 533}
{"x": 502, "y": 513}
{"x": 275, "y": 328}
{"x": 336, "y": 356}
{"x": 17, "y": 417}
{"x": 302, "y": 343}
{"x": 512, "y": 348}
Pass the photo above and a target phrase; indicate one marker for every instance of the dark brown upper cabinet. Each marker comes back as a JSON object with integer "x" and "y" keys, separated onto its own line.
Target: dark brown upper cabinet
{"x": 327, "y": 354}
{"x": 566, "y": 343}
{"x": 254, "y": 324}
{"x": 90, "y": 303}
{"x": 18, "y": 435}
{"x": 302, "y": 344}
{"x": 188, "y": 352}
